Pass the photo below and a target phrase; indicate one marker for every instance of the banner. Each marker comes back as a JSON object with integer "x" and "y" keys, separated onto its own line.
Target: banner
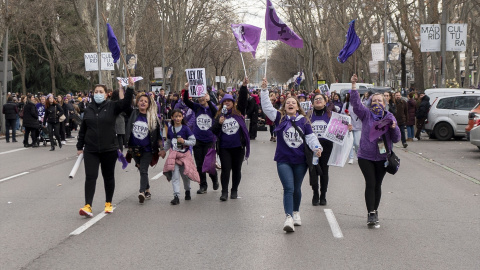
{"x": 456, "y": 37}
{"x": 124, "y": 81}
{"x": 378, "y": 52}
{"x": 373, "y": 66}
{"x": 430, "y": 37}
{"x": 131, "y": 61}
{"x": 158, "y": 72}
{"x": 337, "y": 128}
{"x": 197, "y": 81}
{"x": 394, "y": 51}
{"x": 221, "y": 79}
{"x": 91, "y": 63}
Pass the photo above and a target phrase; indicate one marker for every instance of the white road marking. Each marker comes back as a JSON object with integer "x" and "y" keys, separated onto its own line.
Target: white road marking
{"x": 11, "y": 151}
{"x": 89, "y": 223}
{"x": 13, "y": 176}
{"x": 157, "y": 176}
{"x": 337, "y": 232}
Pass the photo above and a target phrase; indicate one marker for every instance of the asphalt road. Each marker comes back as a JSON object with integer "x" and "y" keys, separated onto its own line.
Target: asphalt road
{"x": 429, "y": 217}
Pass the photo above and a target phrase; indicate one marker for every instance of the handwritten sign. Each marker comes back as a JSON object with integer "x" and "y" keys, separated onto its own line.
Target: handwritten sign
{"x": 337, "y": 128}
{"x": 124, "y": 81}
{"x": 197, "y": 81}
{"x": 91, "y": 61}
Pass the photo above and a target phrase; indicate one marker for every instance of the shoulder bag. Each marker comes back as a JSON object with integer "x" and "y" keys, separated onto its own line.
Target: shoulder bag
{"x": 393, "y": 161}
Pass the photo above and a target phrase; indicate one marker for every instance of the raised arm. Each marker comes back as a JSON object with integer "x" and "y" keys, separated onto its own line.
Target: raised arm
{"x": 267, "y": 106}
{"x": 186, "y": 99}
{"x": 358, "y": 108}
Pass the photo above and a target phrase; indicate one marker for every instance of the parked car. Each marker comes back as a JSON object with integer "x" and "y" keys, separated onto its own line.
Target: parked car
{"x": 475, "y": 134}
{"x": 473, "y": 116}
{"x": 434, "y": 93}
{"x": 448, "y": 116}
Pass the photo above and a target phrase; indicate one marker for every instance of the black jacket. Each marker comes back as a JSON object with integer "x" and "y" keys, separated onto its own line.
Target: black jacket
{"x": 30, "y": 116}
{"x": 52, "y": 114}
{"x": 97, "y": 131}
{"x": 10, "y": 110}
{"x": 423, "y": 108}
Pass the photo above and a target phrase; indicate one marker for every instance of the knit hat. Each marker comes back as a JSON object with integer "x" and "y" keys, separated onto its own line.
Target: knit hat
{"x": 227, "y": 97}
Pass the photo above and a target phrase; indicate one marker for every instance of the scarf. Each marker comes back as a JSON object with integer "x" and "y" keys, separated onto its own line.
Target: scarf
{"x": 377, "y": 111}
{"x": 286, "y": 123}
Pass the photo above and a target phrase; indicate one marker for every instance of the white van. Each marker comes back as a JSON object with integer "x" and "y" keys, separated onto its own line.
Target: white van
{"x": 336, "y": 87}
{"x": 434, "y": 93}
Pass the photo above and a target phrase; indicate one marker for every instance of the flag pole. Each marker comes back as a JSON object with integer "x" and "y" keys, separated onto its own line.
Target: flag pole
{"x": 355, "y": 62}
{"x": 266, "y": 57}
{"x": 243, "y": 62}
{"x": 121, "y": 54}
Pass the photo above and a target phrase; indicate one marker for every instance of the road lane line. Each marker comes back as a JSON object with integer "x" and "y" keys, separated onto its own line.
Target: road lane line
{"x": 13, "y": 176}
{"x": 157, "y": 176}
{"x": 469, "y": 178}
{"x": 337, "y": 232}
{"x": 11, "y": 151}
{"x": 88, "y": 224}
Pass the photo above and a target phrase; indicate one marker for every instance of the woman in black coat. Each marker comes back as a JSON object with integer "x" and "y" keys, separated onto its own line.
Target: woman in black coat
{"x": 53, "y": 111}
{"x": 30, "y": 121}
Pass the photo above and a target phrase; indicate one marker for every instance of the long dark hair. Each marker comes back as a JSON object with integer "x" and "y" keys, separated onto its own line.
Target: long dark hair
{"x": 47, "y": 102}
{"x": 172, "y": 122}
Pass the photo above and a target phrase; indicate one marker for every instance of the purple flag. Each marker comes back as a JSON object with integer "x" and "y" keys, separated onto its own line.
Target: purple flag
{"x": 247, "y": 36}
{"x": 379, "y": 128}
{"x": 351, "y": 44}
{"x": 113, "y": 44}
{"x": 299, "y": 78}
{"x": 278, "y": 30}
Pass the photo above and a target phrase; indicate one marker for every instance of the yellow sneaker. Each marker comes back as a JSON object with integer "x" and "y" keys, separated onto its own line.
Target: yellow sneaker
{"x": 86, "y": 211}
{"x": 108, "y": 208}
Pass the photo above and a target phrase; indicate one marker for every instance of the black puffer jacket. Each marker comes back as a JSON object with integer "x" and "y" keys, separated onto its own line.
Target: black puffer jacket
{"x": 52, "y": 114}
{"x": 10, "y": 110}
{"x": 30, "y": 116}
{"x": 97, "y": 131}
{"x": 423, "y": 108}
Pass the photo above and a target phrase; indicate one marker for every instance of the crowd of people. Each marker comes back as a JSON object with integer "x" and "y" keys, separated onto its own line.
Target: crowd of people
{"x": 197, "y": 136}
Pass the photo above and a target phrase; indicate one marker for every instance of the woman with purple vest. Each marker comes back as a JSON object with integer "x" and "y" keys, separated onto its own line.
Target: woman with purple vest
{"x": 204, "y": 111}
{"x": 372, "y": 154}
{"x": 233, "y": 139}
{"x": 290, "y": 153}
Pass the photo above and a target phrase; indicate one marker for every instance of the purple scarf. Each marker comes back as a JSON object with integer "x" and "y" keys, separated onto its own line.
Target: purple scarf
{"x": 377, "y": 110}
{"x": 286, "y": 123}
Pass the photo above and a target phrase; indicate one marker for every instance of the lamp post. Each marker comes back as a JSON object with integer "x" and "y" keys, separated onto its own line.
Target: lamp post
{"x": 99, "y": 53}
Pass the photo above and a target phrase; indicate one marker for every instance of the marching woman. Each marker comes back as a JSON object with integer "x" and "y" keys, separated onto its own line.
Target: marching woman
{"x": 142, "y": 133}
{"x": 53, "y": 111}
{"x": 204, "y": 111}
{"x": 292, "y": 127}
{"x": 320, "y": 117}
{"x": 98, "y": 143}
{"x": 356, "y": 126}
{"x": 233, "y": 145}
{"x": 373, "y": 154}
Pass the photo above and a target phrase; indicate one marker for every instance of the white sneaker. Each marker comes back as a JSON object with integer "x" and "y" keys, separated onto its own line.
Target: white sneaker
{"x": 350, "y": 161}
{"x": 288, "y": 225}
{"x": 297, "y": 221}
{"x": 64, "y": 142}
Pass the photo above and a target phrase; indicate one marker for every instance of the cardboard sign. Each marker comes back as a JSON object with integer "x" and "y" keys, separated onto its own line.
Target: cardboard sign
{"x": 91, "y": 63}
{"x": 197, "y": 81}
{"x": 337, "y": 128}
{"x": 124, "y": 81}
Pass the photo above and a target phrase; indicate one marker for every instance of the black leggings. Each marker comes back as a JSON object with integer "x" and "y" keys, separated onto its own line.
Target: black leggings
{"x": 199, "y": 152}
{"x": 373, "y": 171}
{"x": 322, "y": 161}
{"x": 54, "y": 129}
{"x": 272, "y": 132}
{"x": 231, "y": 159}
{"x": 32, "y": 132}
{"x": 107, "y": 162}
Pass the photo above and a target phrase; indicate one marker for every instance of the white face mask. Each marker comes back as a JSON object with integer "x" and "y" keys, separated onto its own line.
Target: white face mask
{"x": 99, "y": 98}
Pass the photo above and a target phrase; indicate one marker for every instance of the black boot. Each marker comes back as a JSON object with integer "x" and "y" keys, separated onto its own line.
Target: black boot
{"x": 315, "y": 197}
{"x": 323, "y": 200}
{"x": 59, "y": 143}
{"x": 224, "y": 196}
{"x": 216, "y": 185}
{"x": 187, "y": 195}
{"x": 175, "y": 200}
{"x": 53, "y": 148}
{"x": 202, "y": 190}
{"x": 233, "y": 194}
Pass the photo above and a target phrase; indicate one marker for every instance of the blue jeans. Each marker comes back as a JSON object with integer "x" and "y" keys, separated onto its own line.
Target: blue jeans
{"x": 410, "y": 131}
{"x": 356, "y": 142}
{"x": 291, "y": 176}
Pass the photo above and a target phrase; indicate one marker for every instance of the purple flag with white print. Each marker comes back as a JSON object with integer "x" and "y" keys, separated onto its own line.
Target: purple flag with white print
{"x": 247, "y": 36}
{"x": 278, "y": 30}
{"x": 379, "y": 128}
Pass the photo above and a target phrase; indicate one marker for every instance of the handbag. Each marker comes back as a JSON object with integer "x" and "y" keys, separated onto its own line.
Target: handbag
{"x": 62, "y": 117}
{"x": 393, "y": 162}
{"x": 313, "y": 169}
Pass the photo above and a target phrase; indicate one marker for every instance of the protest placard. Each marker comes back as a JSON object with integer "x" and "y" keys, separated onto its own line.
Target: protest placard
{"x": 324, "y": 89}
{"x": 337, "y": 128}
{"x": 229, "y": 89}
{"x": 306, "y": 105}
{"x": 197, "y": 81}
{"x": 124, "y": 81}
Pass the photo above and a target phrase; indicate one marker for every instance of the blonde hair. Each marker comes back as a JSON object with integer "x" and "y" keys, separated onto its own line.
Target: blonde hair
{"x": 300, "y": 110}
{"x": 152, "y": 118}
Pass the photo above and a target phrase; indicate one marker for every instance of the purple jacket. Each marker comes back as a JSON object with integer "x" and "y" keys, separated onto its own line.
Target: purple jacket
{"x": 369, "y": 150}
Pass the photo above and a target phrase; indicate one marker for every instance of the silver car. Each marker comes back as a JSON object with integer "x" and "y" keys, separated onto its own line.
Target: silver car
{"x": 448, "y": 116}
{"x": 475, "y": 136}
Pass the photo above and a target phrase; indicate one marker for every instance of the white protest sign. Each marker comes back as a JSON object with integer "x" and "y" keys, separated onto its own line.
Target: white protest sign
{"x": 430, "y": 37}
{"x": 378, "y": 52}
{"x": 124, "y": 81}
{"x": 229, "y": 89}
{"x": 197, "y": 81}
{"x": 324, "y": 88}
{"x": 91, "y": 63}
{"x": 337, "y": 128}
{"x": 456, "y": 37}
{"x": 306, "y": 105}
{"x": 373, "y": 65}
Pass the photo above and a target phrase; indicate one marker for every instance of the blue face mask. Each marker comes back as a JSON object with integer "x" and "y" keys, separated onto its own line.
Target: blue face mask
{"x": 99, "y": 98}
